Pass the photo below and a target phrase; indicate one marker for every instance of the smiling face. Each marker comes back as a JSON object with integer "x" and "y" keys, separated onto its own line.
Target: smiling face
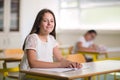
{"x": 47, "y": 24}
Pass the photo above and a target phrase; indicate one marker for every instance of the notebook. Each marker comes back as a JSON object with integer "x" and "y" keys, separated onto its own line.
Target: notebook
{"x": 117, "y": 49}
{"x": 60, "y": 69}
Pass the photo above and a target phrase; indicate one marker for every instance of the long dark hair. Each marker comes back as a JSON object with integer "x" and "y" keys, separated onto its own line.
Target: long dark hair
{"x": 36, "y": 25}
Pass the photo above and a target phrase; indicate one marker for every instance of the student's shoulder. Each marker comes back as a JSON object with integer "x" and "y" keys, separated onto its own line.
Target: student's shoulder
{"x": 33, "y": 35}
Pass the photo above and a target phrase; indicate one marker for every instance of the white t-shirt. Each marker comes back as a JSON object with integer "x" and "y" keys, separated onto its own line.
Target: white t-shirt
{"x": 44, "y": 50}
{"x": 85, "y": 44}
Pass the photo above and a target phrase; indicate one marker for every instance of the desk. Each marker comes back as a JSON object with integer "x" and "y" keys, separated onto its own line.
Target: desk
{"x": 12, "y": 58}
{"x": 95, "y": 68}
{"x": 96, "y": 53}
{"x": 5, "y": 70}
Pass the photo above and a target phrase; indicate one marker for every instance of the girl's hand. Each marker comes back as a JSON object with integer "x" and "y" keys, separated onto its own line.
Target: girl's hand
{"x": 64, "y": 63}
{"x": 68, "y": 64}
{"x": 75, "y": 65}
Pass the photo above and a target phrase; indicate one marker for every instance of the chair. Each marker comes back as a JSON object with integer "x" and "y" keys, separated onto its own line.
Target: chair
{"x": 70, "y": 49}
{"x": 1, "y": 50}
{"x": 76, "y": 58}
{"x": 12, "y": 53}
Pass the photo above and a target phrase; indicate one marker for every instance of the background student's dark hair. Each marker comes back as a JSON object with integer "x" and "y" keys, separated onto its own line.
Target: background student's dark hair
{"x": 36, "y": 25}
{"x": 91, "y": 31}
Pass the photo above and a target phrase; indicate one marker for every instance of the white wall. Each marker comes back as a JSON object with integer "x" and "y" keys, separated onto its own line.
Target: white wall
{"x": 110, "y": 38}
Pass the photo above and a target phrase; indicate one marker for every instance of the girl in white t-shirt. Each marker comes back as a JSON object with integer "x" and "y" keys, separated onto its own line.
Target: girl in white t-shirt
{"x": 40, "y": 46}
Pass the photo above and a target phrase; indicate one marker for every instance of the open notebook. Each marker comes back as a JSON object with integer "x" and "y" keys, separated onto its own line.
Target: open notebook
{"x": 114, "y": 49}
{"x": 117, "y": 49}
{"x": 60, "y": 69}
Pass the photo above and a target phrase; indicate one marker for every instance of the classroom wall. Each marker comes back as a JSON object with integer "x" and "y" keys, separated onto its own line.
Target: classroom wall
{"x": 110, "y": 38}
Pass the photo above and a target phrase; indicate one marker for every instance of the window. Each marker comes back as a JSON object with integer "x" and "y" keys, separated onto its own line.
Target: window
{"x": 9, "y": 15}
{"x": 90, "y": 14}
{"x": 1, "y": 15}
{"x": 14, "y": 24}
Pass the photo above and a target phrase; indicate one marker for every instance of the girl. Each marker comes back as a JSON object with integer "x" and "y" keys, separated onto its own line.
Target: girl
{"x": 40, "y": 45}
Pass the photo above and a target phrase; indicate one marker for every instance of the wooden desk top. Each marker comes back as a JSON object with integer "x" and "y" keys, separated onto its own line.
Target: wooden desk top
{"x": 9, "y": 58}
{"x": 94, "y": 68}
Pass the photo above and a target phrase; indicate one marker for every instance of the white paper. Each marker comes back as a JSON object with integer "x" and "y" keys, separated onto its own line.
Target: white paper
{"x": 117, "y": 49}
{"x": 114, "y": 49}
{"x": 59, "y": 69}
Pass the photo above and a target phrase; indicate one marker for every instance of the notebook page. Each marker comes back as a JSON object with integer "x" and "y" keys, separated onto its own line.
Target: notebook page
{"x": 59, "y": 69}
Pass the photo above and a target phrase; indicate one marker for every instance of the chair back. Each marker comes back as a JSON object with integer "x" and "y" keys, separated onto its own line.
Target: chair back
{"x": 76, "y": 58}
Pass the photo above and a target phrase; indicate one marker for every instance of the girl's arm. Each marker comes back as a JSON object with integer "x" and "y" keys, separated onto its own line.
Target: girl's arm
{"x": 59, "y": 57}
{"x": 34, "y": 63}
{"x": 94, "y": 46}
{"x": 57, "y": 54}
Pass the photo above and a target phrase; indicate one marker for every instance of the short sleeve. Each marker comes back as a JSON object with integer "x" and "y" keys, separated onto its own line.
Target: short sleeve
{"x": 81, "y": 39}
{"x": 54, "y": 41}
{"x": 31, "y": 42}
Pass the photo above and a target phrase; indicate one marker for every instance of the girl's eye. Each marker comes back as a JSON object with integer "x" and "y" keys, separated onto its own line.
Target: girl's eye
{"x": 52, "y": 21}
{"x": 44, "y": 20}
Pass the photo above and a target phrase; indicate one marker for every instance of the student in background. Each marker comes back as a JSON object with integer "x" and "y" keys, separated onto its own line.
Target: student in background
{"x": 86, "y": 43}
{"x": 40, "y": 45}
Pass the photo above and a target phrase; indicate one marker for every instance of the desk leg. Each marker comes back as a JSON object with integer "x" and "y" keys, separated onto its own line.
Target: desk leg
{"x": 114, "y": 75}
{"x": 95, "y": 57}
{"x": 106, "y": 55}
{"x": 5, "y": 73}
{"x": 98, "y": 77}
{"x": 105, "y": 76}
{"x": 87, "y": 78}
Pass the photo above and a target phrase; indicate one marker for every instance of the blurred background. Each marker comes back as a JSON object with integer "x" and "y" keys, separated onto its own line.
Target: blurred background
{"x": 74, "y": 18}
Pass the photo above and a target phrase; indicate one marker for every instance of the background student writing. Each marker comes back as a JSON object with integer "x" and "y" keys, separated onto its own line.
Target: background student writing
{"x": 40, "y": 45}
{"x": 86, "y": 43}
